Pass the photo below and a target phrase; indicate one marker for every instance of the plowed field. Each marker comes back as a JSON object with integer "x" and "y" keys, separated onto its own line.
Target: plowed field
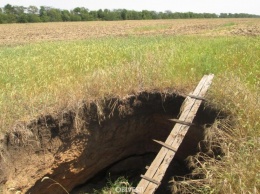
{"x": 13, "y": 34}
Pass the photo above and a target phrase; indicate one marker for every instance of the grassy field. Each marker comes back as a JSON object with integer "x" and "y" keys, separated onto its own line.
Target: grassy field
{"x": 56, "y": 73}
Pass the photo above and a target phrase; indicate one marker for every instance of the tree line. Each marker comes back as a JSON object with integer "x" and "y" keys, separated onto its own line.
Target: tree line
{"x": 33, "y": 14}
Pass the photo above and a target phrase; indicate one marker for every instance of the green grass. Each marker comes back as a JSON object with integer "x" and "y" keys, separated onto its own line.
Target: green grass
{"x": 49, "y": 77}
{"x": 119, "y": 186}
{"x": 41, "y": 77}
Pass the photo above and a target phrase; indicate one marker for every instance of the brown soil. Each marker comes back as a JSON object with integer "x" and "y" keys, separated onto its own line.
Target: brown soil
{"x": 13, "y": 34}
{"x": 73, "y": 146}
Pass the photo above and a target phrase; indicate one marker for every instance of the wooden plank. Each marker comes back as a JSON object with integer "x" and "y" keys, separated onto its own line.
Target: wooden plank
{"x": 160, "y": 156}
{"x": 175, "y": 138}
{"x": 188, "y": 114}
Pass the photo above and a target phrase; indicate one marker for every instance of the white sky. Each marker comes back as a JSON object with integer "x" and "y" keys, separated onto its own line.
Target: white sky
{"x": 199, "y": 6}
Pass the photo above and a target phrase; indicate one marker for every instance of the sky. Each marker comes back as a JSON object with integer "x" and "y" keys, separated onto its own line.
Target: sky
{"x": 198, "y": 6}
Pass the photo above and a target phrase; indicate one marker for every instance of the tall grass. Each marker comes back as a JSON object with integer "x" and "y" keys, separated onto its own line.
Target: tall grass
{"x": 45, "y": 77}
{"x": 239, "y": 170}
{"x": 48, "y": 77}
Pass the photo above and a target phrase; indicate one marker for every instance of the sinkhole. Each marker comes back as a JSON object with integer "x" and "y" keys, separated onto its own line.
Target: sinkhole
{"x": 81, "y": 149}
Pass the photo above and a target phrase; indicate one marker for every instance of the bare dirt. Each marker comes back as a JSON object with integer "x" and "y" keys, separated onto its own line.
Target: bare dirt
{"x": 15, "y": 34}
{"x": 74, "y": 146}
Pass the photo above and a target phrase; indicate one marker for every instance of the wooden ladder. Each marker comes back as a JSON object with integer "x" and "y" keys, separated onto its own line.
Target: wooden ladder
{"x": 153, "y": 176}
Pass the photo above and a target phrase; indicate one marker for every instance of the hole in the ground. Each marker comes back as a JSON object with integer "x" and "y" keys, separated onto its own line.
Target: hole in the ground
{"x": 108, "y": 140}
{"x": 131, "y": 168}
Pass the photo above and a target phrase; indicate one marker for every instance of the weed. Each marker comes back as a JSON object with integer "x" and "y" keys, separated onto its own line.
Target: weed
{"x": 55, "y": 182}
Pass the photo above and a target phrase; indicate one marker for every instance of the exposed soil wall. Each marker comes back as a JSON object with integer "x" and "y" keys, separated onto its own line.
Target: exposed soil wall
{"x": 73, "y": 146}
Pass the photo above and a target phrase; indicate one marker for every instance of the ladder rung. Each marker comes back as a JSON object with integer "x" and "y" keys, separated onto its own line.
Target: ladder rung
{"x": 165, "y": 145}
{"x": 197, "y": 97}
{"x": 151, "y": 180}
{"x": 134, "y": 192}
{"x": 181, "y": 122}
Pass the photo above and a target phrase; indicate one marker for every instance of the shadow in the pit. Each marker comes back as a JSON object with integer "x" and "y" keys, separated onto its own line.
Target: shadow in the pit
{"x": 130, "y": 168}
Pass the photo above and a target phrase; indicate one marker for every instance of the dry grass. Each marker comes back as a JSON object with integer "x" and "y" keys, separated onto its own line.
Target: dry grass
{"x": 238, "y": 170}
{"x": 49, "y": 77}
